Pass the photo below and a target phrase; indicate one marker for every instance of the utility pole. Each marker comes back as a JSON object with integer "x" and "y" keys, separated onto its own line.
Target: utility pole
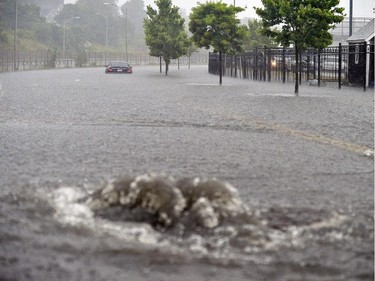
{"x": 15, "y": 49}
{"x": 350, "y": 18}
{"x": 126, "y": 34}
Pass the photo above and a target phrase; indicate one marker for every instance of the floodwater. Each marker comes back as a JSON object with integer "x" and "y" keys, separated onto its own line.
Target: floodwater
{"x": 53, "y": 234}
{"x": 303, "y": 166}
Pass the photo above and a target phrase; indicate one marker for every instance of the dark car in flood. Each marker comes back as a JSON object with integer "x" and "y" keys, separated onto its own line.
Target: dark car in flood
{"x": 118, "y": 67}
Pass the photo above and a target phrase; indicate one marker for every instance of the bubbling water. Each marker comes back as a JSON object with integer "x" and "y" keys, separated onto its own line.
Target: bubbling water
{"x": 212, "y": 224}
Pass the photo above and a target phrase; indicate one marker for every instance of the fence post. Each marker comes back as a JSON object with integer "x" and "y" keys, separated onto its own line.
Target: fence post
{"x": 319, "y": 67}
{"x": 308, "y": 66}
{"x": 284, "y": 66}
{"x": 264, "y": 63}
{"x": 269, "y": 64}
{"x": 364, "y": 65}
{"x": 340, "y": 64}
{"x": 235, "y": 66}
{"x": 314, "y": 68}
{"x": 256, "y": 64}
{"x": 224, "y": 65}
{"x": 244, "y": 66}
{"x": 300, "y": 68}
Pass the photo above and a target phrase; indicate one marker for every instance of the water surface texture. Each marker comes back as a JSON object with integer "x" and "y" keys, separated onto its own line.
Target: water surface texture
{"x": 303, "y": 165}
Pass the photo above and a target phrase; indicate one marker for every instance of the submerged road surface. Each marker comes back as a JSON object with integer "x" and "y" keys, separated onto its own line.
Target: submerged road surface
{"x": 303, "y": 166}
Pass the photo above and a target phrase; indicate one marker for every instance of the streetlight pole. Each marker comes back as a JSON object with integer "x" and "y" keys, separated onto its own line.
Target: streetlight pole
{"x": 15, "y": 38}
{"x": 126, "y": 34}
{"x": 350, "y": 17}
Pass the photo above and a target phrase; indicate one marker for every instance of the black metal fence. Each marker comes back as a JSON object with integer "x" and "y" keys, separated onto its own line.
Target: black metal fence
{"x": 342, "y": 65}
{"x": 44, "y": 59}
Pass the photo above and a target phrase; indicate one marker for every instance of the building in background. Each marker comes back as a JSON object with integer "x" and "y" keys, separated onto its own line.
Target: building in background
{"x": 341, "y": 32}
{"x": 361, "y": 56}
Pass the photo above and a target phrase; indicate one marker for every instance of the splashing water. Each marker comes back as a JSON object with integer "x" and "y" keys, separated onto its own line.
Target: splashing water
{"x": 231, "y": 241}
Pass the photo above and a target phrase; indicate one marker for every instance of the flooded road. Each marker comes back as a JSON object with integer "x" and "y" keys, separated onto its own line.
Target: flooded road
{"x": 303, "y": 166}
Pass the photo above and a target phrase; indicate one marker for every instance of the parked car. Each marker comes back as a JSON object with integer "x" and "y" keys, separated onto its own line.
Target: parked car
{"x": 118, "y": 67}
{"x": 332, "y": 64}
{"x": 305, "y": 64}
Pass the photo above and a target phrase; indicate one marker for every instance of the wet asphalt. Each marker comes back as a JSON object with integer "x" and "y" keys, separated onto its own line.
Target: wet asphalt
{"x": 81, "y": 127}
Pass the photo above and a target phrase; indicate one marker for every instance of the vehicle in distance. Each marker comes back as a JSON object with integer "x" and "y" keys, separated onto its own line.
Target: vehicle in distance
{"x": 332, "y": 64}
{"x": 118, "y": 67}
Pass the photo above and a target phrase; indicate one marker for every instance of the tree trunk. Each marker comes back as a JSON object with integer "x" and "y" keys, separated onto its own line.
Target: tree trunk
{"x": 166, "y": 68}
{"x": 296, "y": 71}
{"x": 220, "y": 68}
{"x": 161, "y": 70}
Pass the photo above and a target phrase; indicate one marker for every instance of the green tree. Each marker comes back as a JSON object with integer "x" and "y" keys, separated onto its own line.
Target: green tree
{"x": 303, "y": 23}
{"x": 27, "y": 15}
{"x": 165, "y": 33}
{"x": 192, "y": 48}
{"x": 30, "y": 25}
{"x": 215, "y": 25}
{"x": 91, "y": 24}
{"x": 254, "y": 37}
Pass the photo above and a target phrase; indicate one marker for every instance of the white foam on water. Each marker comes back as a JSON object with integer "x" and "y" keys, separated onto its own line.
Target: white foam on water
{"x": 71, "y": 210}
{"x": 369, "y": 153}
{"x": 335, "y": 221}
{"x": 68, "y": 210}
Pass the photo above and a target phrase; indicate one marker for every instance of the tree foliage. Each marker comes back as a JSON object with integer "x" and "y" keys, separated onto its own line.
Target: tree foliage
{"x": 303, "y": 23}
{"x": 91, "y": 25}
{"x": 165, "y": 32}
{"x": 214, "y": 24}
{"x": 35, "y": 34}
{"x": 27, "y": 15}
{"x": 30, "y": 25}
{"x": 255, "y": 37}
{"x": 92, "y": 22}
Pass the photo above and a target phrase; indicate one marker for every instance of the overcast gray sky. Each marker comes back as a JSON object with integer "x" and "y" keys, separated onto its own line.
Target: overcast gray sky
{"x": 361, "y": 8}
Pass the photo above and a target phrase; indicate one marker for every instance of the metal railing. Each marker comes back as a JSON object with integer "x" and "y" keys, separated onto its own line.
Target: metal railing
{"x": 341, "y": 65}
{"x": 46, "y": 59}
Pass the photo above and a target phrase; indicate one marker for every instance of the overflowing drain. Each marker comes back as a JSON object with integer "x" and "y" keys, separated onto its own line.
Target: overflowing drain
{"x": 192, "y": 217}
